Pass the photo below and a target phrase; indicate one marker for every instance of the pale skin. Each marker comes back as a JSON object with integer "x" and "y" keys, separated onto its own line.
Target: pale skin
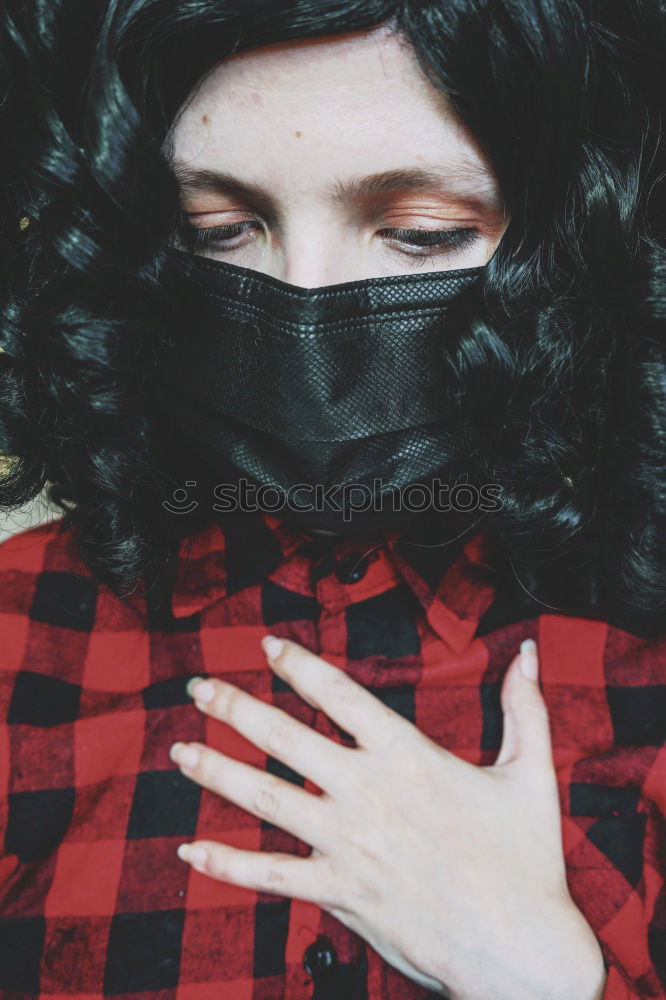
{"x": 293, "y": 126}
{"x": 275, "y": 144}
{"x": 403, "y": 852}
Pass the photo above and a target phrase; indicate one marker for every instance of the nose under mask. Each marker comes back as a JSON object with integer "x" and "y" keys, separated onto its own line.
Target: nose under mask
{"x": 327, "y": 403}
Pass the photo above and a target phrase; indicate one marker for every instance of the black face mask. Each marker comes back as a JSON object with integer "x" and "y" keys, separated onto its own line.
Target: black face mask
{"x": 339, "y": 390}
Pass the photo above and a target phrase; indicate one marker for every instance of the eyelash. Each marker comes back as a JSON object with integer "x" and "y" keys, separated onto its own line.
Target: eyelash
{"x": 199, "y": 238}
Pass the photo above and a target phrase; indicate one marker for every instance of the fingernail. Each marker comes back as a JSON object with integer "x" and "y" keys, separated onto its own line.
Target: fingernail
{"x": 203, "y": 691}
{"x": 187, "y": 756}
{"x": 196, "y": 856}
{"x": 272, "y": 645}
{"x": 190, "y": 684}
{"x": 529, "y": 662}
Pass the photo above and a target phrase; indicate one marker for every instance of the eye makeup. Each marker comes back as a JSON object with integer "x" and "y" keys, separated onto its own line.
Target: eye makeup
{"x": 414, "y": 242}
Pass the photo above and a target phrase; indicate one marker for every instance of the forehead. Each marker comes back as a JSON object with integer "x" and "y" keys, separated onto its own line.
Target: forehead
{"x": 319, "y": 64}
{"x": 333, "y": 104}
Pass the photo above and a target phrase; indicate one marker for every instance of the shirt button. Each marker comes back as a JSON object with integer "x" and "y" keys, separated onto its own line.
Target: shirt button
{"x": 321, "y": 958}
{"x": 352, "y": 568}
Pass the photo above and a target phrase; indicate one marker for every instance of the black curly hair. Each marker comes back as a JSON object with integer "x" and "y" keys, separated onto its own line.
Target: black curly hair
{"x": 560, "y": 363}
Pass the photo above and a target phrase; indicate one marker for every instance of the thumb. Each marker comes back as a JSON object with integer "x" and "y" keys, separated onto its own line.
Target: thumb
{"x": 526, "y": 734}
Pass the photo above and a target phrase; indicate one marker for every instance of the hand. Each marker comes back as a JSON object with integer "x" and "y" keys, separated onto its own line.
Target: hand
{"x": 453, "y": 873}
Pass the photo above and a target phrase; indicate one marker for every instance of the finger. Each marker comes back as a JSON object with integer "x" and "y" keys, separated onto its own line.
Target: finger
{"x": 509, "y": 748}
{"x": 527, "y": 739}
{"x": 265, "y": 871}
{"x": 350, "y": 705}
{"x": 277, "y": 733}
{"x": 262, "y": 794}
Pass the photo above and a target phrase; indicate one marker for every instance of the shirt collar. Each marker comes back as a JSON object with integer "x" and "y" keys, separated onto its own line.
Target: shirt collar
{"x": 451, "y": 577}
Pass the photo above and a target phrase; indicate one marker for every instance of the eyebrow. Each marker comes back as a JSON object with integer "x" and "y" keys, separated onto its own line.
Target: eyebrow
{"x": 464, "y": 177}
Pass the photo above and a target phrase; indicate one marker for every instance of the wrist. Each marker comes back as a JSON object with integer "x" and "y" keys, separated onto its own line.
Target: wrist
{"x": 587, "y": 967}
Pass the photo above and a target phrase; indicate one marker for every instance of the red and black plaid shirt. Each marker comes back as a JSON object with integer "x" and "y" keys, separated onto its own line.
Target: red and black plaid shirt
{"x": 93, "y": 899}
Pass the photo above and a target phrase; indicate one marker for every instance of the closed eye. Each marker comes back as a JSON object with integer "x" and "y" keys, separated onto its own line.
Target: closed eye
{"x": 407, "y": 241}
{"x": 453, "y": 239}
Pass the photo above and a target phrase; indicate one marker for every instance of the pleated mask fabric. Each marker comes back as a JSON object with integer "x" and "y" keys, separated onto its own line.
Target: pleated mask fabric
{"x": 336, "y": 386}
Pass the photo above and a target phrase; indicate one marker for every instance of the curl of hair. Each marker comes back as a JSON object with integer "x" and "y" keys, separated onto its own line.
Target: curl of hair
{"x": 558, "y": 363}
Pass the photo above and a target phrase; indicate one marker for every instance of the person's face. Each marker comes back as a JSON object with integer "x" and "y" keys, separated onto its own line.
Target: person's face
{"x": 304, "y": 158}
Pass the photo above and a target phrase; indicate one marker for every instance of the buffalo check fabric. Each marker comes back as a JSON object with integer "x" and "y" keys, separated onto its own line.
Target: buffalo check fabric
{"x": 93, "y": 899}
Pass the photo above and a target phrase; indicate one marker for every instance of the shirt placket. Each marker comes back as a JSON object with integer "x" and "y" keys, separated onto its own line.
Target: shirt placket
{"x": 325, "y": 960}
